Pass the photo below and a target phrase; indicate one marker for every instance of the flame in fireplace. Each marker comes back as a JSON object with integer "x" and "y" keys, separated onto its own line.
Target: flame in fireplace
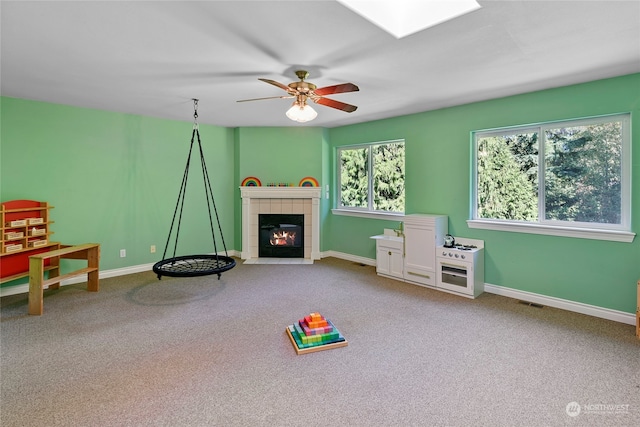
{"x": 282, "y": 238}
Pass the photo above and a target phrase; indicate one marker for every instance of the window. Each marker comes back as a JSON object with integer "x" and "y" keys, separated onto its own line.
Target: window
{"x": 563, "y": 175}
{"x": 371, "y": 177}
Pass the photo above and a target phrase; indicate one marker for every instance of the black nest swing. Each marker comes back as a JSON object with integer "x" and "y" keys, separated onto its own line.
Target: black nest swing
{"x": 194, "y": 265}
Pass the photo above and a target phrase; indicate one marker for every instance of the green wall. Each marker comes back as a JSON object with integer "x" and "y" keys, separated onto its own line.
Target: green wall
{"x": 281, "y": 154}
{"x": 114, "y": 178}
{"x": 438, "y": 163}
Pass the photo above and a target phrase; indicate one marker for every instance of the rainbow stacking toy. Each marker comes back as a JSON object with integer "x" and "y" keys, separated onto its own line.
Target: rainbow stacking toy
{"x": 314, "y": 333}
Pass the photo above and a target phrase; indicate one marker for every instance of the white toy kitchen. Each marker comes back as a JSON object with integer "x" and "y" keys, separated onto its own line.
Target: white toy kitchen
{"x": 421, "y": 252}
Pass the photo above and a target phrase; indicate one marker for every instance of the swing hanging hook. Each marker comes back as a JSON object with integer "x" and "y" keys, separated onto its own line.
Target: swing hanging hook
{"x": 195, "y": 113}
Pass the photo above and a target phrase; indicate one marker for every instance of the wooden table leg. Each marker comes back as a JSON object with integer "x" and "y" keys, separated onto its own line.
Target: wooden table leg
{"x": 36, "y": 272}
{"x": 55, "y": 272}
{"x": 55, "y": 261}
{"x": 93, "y": 260}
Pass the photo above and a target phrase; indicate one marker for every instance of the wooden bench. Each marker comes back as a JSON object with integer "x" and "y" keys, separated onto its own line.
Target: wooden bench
{"x": 37, "y": 283}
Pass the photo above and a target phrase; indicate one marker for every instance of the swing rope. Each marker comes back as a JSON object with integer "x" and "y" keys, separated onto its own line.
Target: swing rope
{"x": 180, "y": 204}
{"x": 210, "y": 201}
{"x": 194, "y": 265}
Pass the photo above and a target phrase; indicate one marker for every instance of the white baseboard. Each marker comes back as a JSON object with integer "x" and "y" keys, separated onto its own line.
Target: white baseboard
{"x": 578, "y": 307}
{"x": 349, "y": 257}
{"x": 103, "y": 274}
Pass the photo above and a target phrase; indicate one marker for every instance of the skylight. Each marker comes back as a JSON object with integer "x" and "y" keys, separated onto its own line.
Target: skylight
{"x": 404, "y": 17}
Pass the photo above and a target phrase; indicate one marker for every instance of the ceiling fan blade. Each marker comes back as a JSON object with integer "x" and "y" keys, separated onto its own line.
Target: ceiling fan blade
{"x": 341, "y": 88}
{"x": 269, "y": 97}
{"x": 278, "y": 84}
{"x": 335, "y": 104}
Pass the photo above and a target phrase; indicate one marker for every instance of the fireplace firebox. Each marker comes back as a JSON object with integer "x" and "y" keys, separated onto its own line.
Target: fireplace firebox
{"x": 281, "y": 235}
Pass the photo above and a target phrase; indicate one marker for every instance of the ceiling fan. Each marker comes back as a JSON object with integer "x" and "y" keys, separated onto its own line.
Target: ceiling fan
{"x": 302, "y": 91}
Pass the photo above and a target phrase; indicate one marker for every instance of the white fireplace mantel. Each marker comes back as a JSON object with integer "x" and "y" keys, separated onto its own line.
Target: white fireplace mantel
{"x": 280, "y": 193}
{"x": 251, "y": 197}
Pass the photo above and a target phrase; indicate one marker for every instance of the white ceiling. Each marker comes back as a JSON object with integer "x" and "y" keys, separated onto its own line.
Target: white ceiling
{"x": 152, "y": 57}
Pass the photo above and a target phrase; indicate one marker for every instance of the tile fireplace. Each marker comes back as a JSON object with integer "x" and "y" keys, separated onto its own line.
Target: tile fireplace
{"x": 290, "y": 201}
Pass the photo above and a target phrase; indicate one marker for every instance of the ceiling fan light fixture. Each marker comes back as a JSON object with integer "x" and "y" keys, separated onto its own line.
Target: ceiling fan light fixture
{"x": 301, "y": 113}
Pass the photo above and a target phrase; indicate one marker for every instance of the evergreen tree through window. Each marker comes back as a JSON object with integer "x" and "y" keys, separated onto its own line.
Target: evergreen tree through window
{"x": 574, "y": 173}
{"x": 371, "y": 177}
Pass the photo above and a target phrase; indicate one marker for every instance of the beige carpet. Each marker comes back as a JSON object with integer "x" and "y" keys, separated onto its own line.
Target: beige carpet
{"x": 208, "y": 352}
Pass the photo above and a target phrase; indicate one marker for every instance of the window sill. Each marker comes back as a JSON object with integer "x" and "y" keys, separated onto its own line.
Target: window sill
{"x": 368, "y": 214}
{"x": 580, "y": 233}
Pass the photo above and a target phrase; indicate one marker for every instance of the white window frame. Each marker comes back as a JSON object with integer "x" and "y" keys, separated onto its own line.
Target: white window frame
{"x": 367, "y": 212}
{"x": 613, "y": 232}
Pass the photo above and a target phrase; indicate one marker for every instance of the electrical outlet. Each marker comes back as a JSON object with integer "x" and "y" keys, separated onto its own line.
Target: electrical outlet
{"x": 153, "y": 249}
{"x": 123, "y": 253}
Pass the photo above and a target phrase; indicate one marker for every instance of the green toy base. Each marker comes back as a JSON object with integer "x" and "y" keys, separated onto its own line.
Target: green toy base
{"x": 315, "y": 348}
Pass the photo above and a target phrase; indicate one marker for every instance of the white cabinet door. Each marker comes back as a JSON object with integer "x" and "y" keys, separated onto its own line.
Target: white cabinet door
{"x": 389, "y": 261}
{"x": 396, "y": 263}
{"x": 420, "y": 247}
{"x": 383, "y": 260}
{"x": 422, "y": 233}
{"x": 420, "y": 254}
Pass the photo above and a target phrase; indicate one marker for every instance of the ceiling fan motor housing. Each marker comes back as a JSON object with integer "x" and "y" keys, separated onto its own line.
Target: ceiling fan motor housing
{"x": 302, "y": 87}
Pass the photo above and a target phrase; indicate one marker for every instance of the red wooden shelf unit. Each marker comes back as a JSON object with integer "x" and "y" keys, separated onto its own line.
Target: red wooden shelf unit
{"x": 25, "y": 232}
